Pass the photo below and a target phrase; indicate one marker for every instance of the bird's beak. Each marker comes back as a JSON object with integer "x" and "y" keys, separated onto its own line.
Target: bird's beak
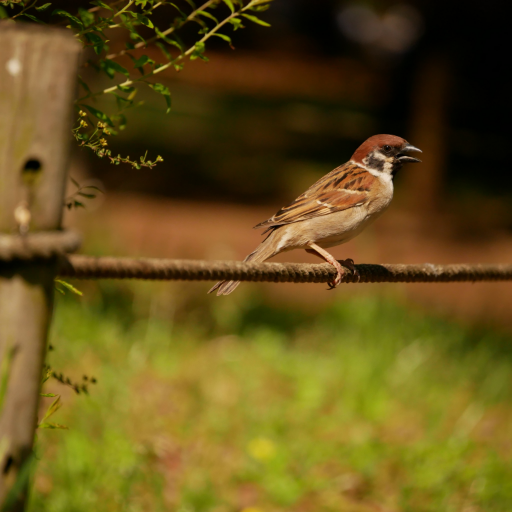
{"x": 409, "y": 148}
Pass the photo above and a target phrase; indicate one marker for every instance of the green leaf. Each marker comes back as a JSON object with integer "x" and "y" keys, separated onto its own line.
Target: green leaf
{"x": 99, "y": 114}
{"x": 229, "y": 3}
{"x": 122, "y": 103}
{"x": 225, "y": 37}
{"x": 111, "y": 67}
{"x": 260, "y": 8}
{"x": 208, "y": 15}
{"x": 52, "y": 426}
{"x": 74, "y": 20}
{"x": 52, "y": 409}
{"x": 93, "y": 65}
{"x": 46, "y": 376}
{"x": 198, "y": 52}
{"x": 125, "y": 88}
{"x": 47, "y": 395}
{"x": 99, "y": 3}
{"x": 165, "y": 51}
{"x": 237, "y": 23}
{"x": 165, "y": 92}
{"x": 86, "y": 17}
{"x": 3, "y": 13}
{"x": 145, "y": 20}
{"x": 254, "y": 19}
{"x": 97, "y": 42}
{"x": 122, "y": 121}
{"x": 83, "y": 84}
{"x": 70, "y": 287}
{"x": 33, "y": 18}
{"x": 179, "y": 10}
{"x": 136, "y": 36}
{"x": 141, "y": 61}
{"x": 169, "y": 40}
{"x": 43, "y": 7}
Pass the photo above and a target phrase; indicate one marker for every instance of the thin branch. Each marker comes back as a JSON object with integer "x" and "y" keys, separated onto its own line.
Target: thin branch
{"x": 170, "y": 30}
{"x": 25, "y": 9}
{"x": 97, "y": 8}
{"x": 180, "y": 57}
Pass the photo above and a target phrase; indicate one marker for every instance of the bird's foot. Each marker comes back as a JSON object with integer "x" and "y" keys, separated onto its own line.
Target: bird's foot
{"x": 340, "y": 271}
{"x": 339, "y": 275}
{"x": 348, "y": 263}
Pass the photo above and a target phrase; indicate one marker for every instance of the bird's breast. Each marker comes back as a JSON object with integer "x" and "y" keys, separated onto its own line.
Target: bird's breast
{"x": 339, "y": 227}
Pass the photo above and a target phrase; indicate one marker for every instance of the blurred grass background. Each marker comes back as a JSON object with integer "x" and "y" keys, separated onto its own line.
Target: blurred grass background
{"x": 235, "y": 405}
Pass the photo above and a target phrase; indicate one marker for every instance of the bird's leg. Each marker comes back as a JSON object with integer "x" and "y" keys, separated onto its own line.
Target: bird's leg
{"x": 315, "y": 249}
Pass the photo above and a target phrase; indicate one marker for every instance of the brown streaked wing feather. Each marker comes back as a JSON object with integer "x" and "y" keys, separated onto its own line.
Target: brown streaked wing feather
{"x": 343, "y": 188}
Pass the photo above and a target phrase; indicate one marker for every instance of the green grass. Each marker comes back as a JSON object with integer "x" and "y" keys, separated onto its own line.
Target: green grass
{"x": 205, "y": 404}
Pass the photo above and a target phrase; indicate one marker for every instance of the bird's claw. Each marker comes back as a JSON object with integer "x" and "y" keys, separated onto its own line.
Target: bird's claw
{"x": 336, "y": 281}
{"x": 348, "y": 263}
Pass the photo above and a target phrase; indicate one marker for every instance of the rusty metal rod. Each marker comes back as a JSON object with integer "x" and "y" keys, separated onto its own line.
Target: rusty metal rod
{"x": 90, "y": 267}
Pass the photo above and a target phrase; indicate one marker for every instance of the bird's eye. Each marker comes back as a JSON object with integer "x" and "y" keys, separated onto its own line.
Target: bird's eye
{"x": 387, "y": 148}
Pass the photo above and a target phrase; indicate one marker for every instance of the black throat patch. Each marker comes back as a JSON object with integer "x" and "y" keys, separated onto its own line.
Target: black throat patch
{"x": 374, "y": 163}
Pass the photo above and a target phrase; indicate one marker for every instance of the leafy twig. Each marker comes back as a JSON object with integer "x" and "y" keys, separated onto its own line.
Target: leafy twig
{"x": 98, "y": 143}
{"x": 198, "y": 48}
{"x": 165, "y": 33}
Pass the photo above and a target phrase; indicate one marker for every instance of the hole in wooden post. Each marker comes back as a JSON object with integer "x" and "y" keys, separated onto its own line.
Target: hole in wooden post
{"x": 31, "y": 170}
{"x": 8, "y": 464}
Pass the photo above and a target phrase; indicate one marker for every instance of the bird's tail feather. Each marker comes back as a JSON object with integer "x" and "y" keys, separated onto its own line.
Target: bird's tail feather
{"x": 263, "y": 252}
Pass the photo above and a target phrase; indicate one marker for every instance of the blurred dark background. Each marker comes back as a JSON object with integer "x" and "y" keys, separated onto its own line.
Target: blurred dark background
{"x": 293, "y": 101}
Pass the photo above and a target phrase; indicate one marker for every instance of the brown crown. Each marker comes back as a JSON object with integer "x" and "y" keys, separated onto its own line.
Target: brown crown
{"x": 377, "y": 141}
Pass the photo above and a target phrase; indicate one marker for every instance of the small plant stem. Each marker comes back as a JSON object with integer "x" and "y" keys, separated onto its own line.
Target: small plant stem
{"x": 25, "y": 9}
{"x": 170, "y": 30}
{"x": 97, "y": 8}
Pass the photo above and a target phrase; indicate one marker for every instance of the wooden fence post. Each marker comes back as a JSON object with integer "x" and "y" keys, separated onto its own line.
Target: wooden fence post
{"x": 38, "y": 69}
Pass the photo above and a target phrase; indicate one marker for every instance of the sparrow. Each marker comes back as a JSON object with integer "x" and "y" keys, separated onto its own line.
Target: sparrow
{"x": 336, "y": 208}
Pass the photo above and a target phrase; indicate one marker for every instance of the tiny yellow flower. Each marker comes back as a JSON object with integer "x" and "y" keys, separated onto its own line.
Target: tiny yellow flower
{"x": 83, "y": 124}
{"x": 106, "y": 132}
{"x": 261, "y": 448}
{"x": 101, "y": 125}
{"x": 81, "y": 113}
{"x": 103, "y": 142}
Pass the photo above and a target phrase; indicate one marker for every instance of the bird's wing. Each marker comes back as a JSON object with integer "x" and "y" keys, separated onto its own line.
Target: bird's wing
{"x": 343, "y": 188}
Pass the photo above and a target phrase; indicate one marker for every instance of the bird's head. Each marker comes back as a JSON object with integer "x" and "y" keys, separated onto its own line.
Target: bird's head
{"x": 385, "y": 154}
